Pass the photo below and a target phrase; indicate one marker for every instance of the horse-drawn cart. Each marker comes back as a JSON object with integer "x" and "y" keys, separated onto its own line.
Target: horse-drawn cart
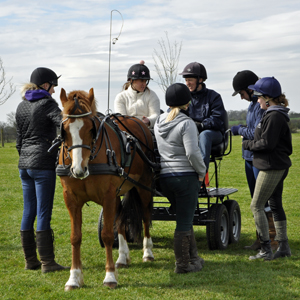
{"x": 215, "y": 210}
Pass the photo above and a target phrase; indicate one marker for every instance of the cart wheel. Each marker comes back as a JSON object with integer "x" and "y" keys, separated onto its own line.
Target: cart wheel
{"x": 100, "y": 228}
{"x": 217, "y": 233}
{"x": 235, "y": 225}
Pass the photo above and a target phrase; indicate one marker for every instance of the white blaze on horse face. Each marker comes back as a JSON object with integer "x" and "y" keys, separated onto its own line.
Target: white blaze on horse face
{"x": 76, "y": 140}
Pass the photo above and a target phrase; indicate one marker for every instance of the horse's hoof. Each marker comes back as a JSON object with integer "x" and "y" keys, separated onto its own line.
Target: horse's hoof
{"x": 111, "y": 285}
{"x": 121, "y": 266}
{"x": 145, "y": 259}
{"x": 70, "y": 287}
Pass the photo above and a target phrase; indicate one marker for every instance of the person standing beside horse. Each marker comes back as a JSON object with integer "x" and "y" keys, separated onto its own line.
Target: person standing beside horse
{"x": 240, "y": 84}
{"x": 137, "y": 99}
{"x": 182, "y": 173}
{"x": 206, "y": 109}
{"x": 271, "y": 146}
{"x": 37, "y": 118}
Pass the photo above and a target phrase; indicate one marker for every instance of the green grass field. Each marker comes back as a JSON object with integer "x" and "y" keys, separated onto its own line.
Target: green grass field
{"x": 227, "y": 274}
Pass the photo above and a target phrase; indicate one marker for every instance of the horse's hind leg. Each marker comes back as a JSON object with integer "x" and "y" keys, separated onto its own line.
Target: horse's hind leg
{"x": 147, "y": 203}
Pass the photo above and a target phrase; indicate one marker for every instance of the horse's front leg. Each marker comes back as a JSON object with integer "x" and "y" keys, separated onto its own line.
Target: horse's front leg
{"x": 124, "y": 258}
{"x": 147, "y": 242}
{"x": 76, "y": 275}
{"x": 110, "y": 279}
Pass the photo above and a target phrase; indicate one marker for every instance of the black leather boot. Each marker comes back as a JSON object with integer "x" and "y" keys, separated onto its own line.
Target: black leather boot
{"x": 45, "y": 247}
{"x": 29, "y": 248}
{"x": 265, "y": 251}
{"x": 283, "y": 250}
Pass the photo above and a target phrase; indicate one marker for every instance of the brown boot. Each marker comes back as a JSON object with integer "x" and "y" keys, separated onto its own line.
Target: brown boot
{"x": 255, "y": 246}
{"x": 29, "y": 248}
{"x": 182, "y": 240}
{"x": 45, "y": 247}
{"x": 272, "y": 231}
{"x": 195, "y": 259}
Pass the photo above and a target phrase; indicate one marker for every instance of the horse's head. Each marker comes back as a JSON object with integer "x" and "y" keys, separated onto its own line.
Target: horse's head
{"x": 78, "y": 129}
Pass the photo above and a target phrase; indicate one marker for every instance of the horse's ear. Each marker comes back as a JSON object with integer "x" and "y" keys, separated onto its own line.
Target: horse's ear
{"x": 91, "y": 95}
{"x": 63, "y": 97}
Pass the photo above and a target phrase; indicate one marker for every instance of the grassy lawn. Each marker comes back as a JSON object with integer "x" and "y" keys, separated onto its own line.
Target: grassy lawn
{"x": 227, "y": 274}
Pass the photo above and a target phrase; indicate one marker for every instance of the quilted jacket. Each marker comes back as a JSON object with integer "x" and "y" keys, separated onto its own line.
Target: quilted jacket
{"x": 37, "y": 117}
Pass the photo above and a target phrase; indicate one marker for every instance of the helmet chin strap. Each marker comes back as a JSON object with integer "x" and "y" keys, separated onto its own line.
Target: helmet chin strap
{"x": 197, "y": 85}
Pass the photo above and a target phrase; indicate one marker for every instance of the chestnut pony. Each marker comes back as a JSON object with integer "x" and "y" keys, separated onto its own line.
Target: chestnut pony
{"x": 91, "y": 155}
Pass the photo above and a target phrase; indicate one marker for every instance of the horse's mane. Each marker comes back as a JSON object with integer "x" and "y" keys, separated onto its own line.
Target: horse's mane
{"x": 83, "y": 101}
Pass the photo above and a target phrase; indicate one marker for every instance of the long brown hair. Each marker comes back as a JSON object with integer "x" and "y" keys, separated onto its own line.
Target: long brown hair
{"x": 281, "y": 100}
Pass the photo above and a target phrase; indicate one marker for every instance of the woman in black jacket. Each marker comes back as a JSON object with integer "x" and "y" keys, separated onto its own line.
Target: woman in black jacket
{"x": 38, "y": 117}
{"x": 272, "y": 146}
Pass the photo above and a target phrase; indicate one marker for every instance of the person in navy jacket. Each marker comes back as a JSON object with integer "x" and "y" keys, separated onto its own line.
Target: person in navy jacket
{"x": 206, "y": 109}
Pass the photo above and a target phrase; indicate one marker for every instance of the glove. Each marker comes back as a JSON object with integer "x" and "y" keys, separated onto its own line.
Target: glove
{"x": 235, "y": 129}
{"x": 199, "y": 125}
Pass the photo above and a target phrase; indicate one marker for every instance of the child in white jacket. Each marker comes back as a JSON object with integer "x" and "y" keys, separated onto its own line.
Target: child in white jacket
{"x": 137, "y": 99}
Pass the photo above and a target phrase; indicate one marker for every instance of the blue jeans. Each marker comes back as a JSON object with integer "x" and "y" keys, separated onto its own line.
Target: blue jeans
{"x": 251, "y": 174}
{"x": 207, "y": 139}
{"x": 38, "y": 194}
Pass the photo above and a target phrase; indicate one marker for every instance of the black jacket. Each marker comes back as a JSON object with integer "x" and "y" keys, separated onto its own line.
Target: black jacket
{"x": 37, "y": 122}
{"x": 207, "y": 108}
{"x": 272, "y": 144}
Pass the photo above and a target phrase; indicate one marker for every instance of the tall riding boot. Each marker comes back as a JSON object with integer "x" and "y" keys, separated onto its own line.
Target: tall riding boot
{"x": 182, "y": 240}
{"x": 265, "y": 251}
{"x": 272, "y": 230}
{"x": 29, "y": 248}
{"x": 45, "y": 247}
{"x": 255, "y": 245}
{"x": 283, "y": 250}
{"x": 195, "y": 260}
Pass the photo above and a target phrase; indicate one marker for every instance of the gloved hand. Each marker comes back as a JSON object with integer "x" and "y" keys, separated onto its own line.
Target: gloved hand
{"x": 235, "y": 129}
{"x": 199, "y": 126}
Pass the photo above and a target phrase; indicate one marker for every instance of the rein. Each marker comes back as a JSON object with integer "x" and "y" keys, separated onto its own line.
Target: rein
{"x": 109, "y": 150}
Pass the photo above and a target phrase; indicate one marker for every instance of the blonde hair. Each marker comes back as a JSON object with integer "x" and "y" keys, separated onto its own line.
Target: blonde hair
{"x": 127, "y": 84}
{"x": 174, "y": 112}
{"x": 26, "y": 87}
{"x": 281, "y": 100}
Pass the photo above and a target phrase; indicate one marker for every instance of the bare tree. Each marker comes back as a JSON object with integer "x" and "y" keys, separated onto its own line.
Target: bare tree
{"x": 166, "y": 62}
{"x": 6, "y": 87}
{"x": 11, "y": 119}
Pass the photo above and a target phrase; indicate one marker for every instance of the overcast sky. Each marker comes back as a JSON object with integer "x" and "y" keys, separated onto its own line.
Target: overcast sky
{"x": 72, "y": 38}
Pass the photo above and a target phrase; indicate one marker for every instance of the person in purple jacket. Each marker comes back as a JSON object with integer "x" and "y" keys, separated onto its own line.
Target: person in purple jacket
{"x": 38, "y": 117}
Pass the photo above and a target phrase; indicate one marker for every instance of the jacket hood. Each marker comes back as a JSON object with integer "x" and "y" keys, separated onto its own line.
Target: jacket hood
{"x": 283, "y": 110}
{"x": 164, "y": 128}
{"x": 32, "y": 95}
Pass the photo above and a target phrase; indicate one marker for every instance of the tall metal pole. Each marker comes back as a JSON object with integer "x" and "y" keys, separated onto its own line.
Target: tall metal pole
{"x": 114, "y": 40}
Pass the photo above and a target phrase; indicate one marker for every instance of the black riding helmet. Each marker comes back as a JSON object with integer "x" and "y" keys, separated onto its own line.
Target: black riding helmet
{"x": 177, "y": 94}
{"x": 242, "y": 80}
{"x": 44, "y": 75}
{"x": 138, "y": 71}
{"x": 194, "y": 70}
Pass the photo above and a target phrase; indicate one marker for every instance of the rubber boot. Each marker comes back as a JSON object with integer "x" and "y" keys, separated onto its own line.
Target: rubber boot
{"x": 45, "y": 247}
{"x": 272, "y": 230}
{"x": 182, "y": 242}
{"x": 195, "y": 260}
{"x": 255, "y": 246}
{"x": 29, "y": 248}
{"x": 283, "y": 250}
{"x": 265, "y": 251}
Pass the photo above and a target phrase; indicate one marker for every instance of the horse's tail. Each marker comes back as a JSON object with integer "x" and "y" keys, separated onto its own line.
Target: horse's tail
{"x": 130, "y": 214}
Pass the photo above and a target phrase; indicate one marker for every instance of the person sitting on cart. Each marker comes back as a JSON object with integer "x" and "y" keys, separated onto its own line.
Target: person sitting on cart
{"x": 137, "y": 99}
{"x": 182, "y": 173}
{"x": 206, "y": 109}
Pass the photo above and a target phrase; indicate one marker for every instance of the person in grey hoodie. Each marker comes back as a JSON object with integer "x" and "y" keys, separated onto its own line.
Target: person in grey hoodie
{"x": 271, "y": 146}
{"x": 182, "y": 173}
